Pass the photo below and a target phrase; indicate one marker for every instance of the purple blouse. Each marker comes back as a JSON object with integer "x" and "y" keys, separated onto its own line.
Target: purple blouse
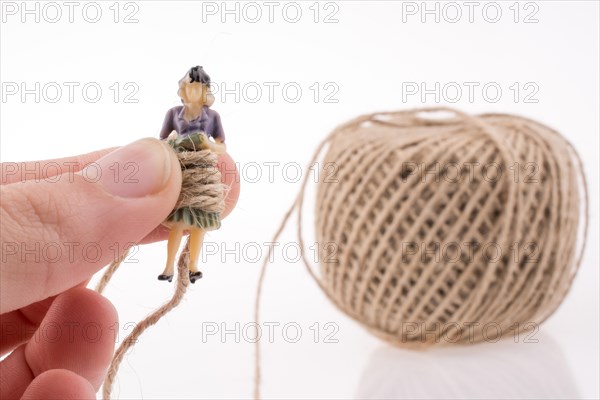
{"x": 209, "y": 122}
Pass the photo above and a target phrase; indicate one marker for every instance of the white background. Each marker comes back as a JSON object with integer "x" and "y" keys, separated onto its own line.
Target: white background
{"x": 367, "y": 55}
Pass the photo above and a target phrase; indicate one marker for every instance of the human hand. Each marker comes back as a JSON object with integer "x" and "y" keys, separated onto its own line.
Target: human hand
{"x": 60, "y": 225}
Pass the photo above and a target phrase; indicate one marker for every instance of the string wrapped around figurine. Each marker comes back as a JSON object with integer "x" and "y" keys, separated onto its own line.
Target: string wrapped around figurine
{"x": 201, "y": 201}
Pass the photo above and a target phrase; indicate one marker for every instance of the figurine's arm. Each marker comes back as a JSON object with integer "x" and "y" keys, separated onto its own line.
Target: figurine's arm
{"x": 168, "y": 125}
{"x": 218, "y": 146}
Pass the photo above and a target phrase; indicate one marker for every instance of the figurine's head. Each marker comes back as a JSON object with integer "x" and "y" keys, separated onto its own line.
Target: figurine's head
{"x": 194, "y": 88}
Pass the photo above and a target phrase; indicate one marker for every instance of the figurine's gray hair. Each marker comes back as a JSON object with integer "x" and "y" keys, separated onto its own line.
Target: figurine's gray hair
{"x": 197, "y": 74}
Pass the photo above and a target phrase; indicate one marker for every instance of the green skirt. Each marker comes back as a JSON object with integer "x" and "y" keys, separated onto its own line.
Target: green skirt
{"x": 194, "y": 217}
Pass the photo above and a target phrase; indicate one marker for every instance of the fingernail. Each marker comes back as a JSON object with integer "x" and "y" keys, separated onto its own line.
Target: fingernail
{"x": 139, "y": 169}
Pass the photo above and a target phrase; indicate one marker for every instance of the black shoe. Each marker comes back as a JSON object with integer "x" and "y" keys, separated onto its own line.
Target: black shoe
{"x": 194, "y": 276}
{"x": 163, "y": 277}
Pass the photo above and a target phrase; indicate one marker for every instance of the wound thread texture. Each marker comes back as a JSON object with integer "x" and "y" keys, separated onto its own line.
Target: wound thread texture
{"x": 407, "y": 185}
{"x": 201, "y": 185}
{"x": 201, "y": 189}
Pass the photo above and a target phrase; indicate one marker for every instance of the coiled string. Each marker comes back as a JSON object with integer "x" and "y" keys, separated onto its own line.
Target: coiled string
{"x": 346, "y": 283}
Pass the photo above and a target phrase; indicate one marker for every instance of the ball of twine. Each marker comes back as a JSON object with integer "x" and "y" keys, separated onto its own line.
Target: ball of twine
{"x": 440, "y": 224}
{"x": 443, "y": 227}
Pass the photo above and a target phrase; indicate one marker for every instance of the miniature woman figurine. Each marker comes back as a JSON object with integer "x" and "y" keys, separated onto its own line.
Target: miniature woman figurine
{"x": 194, "y": 123}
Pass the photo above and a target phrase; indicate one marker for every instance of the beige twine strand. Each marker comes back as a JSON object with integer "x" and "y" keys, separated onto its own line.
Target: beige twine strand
{"x": 182, "y": 284}
{"x": 112, "y": 268}
{"x": 201, "y": 188}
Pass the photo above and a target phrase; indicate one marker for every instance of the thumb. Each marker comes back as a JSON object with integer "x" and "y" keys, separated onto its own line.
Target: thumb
{"x": 58, "y": 231}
